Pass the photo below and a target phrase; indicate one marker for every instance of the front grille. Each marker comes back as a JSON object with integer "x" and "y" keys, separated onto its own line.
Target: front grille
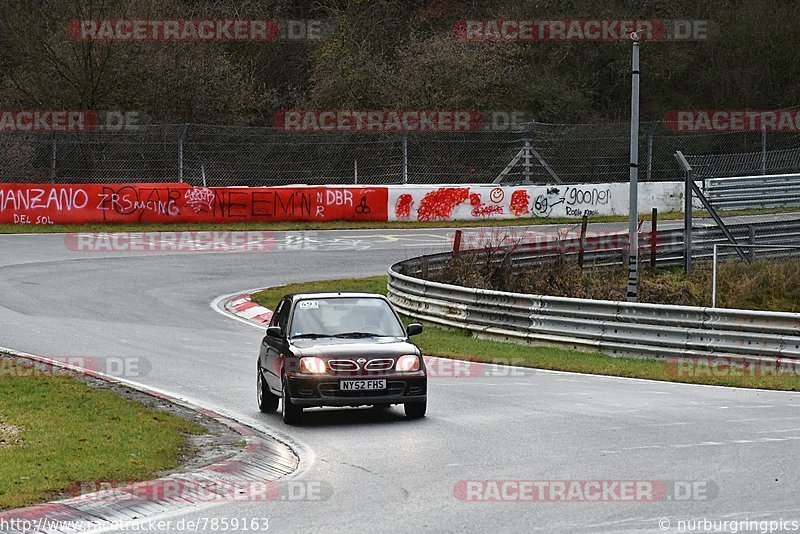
{"x": 343, "y": 365}
{"x": 379, "y": 365}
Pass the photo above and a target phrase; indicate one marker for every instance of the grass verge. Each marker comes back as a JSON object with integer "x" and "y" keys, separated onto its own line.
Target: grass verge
{"x": 459, "y": 344}
{"x": 769, "y": 284}
{"x": 285, "y": 226}
{"x": 347, "y": 225}
{"x": 60, "y": 431}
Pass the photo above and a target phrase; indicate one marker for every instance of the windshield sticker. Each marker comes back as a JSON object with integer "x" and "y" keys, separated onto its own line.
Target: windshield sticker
{"x": 308, "y": 304}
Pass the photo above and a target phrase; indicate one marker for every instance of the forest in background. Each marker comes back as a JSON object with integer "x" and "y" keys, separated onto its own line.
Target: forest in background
{"x": 396, "y": 54}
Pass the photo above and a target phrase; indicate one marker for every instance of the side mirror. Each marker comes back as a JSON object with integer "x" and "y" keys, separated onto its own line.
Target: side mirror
{"x": 274, "y": 331}
{"x": 414, "y": 329}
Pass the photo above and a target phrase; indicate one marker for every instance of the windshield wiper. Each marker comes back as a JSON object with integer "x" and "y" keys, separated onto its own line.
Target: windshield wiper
{"x": 358, "y": 334}
{"x": 311, "y": 335}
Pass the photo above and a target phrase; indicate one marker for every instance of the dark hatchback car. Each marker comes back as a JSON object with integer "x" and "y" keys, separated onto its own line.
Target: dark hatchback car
{"x": 339, "y": 349}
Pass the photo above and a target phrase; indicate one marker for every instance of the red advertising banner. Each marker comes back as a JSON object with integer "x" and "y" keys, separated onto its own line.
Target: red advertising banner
{"x": 181, "y": 203}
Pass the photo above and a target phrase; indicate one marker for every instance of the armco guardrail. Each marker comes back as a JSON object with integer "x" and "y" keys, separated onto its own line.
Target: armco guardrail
{"x": 744, "y": 192}
{"x": 608, "y": 326}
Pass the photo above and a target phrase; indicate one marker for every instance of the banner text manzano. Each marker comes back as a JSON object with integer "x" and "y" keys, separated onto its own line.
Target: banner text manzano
{"x": 182, "y": 203}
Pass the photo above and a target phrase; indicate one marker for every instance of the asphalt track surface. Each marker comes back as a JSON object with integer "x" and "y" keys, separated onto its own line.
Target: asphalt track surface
{"x": 388, "y": 474}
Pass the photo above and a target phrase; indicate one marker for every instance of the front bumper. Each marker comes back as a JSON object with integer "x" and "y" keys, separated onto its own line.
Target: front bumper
{"x": 305, "y": 390}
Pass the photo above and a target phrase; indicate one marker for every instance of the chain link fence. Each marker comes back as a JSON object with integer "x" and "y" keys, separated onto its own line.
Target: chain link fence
{"x": 241, "y": 156}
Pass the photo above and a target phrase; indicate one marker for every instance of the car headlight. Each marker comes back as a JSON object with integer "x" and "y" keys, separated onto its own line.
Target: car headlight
{"x": 312, "y": 365}
{"x": 407, "y": 364}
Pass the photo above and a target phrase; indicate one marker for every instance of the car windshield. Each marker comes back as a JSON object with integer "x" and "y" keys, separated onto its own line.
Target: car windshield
{"x": 350, "y": 317}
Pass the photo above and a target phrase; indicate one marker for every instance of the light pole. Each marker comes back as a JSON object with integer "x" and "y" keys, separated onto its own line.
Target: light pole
{"x": 633, "y": 202}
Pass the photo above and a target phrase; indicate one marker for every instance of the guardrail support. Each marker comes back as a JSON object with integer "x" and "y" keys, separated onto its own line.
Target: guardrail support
{"x": 687, "y": 211}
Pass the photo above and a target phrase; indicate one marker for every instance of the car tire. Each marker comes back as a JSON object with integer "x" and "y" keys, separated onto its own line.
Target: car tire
{"x": 267, "y": 400}
{"x": 291, "y": 413}
{"x": 415, "y": 410}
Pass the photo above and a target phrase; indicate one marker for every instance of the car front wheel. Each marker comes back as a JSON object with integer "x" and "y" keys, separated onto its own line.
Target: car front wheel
{"x": 290, "y": 412}
{"x": 415, "y": 410}
{"x": 267, "y": 401}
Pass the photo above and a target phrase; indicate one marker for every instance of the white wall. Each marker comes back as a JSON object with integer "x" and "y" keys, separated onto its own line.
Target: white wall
{"x": 457, "y": 202}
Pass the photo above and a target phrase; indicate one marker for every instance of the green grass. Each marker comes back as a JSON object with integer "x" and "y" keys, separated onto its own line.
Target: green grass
{"x": 459, "y": 344}
{"x": 69, "y": 432}
{"x": 345, "y": 225}
{"x": 283, "y": 226}
{"x": 349, "y": 225}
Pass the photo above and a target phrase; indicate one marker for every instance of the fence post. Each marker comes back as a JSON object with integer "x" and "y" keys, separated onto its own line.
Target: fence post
{"x": 355, "y": 172}
{"x": 456, "y": 243}
{"x": 582, "y": 241}
{"x": 714, "y": 277}
{"x": 53, "y": 161}
{"x": 752, "y": 242}
{"x": 763, "y": 151}
{"x": 526, "y": 155}
{"x": 653, "y": 238}
{"x": 180, "y": 151}
{"x": 405, "y": 158}
{"x": 650, "y": 153}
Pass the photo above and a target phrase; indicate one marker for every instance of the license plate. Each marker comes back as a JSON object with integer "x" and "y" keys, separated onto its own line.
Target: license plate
{"x": 361, "y": 385}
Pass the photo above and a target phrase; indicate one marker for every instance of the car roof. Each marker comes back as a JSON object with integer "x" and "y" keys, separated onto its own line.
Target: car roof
{"x": 328, "y": 294}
